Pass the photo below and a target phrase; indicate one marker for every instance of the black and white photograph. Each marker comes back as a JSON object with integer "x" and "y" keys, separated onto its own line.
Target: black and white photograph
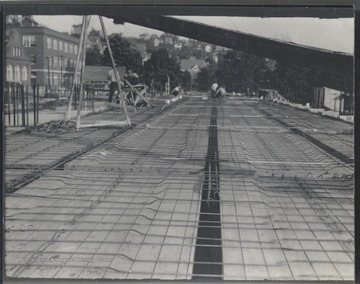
{"x": 189, "y": 143}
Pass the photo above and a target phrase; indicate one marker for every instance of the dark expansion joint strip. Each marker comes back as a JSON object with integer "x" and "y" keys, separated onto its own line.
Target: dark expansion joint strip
{"x": 208, "y": 262}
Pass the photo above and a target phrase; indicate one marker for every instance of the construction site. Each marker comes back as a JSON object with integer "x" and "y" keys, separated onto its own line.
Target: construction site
{"x": 185, "y": 187}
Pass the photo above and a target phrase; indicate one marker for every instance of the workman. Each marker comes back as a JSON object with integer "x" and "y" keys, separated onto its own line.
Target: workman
{"x": 221, "y": 92}
{"x": 131, "y": 77}
{"x": 175, "y": 92}
{"x": 214, "y": 88}
{"x": 111, "y": 76}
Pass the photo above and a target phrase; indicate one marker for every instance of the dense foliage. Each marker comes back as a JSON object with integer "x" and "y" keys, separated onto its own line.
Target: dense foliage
{"x": 123, "y": 53}
{"x": 93, "y": 56}
{"x": 161, "y": 67}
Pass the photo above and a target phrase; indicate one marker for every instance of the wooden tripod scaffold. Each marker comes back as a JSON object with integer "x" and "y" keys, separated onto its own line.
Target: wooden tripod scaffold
{"x": 79, "y": 69}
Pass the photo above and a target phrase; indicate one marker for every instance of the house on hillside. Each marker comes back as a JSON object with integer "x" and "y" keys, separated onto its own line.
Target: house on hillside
{"x": 157, "y": 42}
{"x": 192, "y": 65}
{"x": 144, "y": 36}
{"x": 178, "y": 45}
{"x": 141, "y": 48}
{"x": 95, "y": 40}
{"x": 168, "y": 40}
{"x": 208, "y": 48}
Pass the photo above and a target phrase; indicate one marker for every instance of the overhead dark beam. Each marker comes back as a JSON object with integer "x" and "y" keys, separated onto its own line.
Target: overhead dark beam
{"x": 333, "y": 62}
{"x": 343, "y": 10}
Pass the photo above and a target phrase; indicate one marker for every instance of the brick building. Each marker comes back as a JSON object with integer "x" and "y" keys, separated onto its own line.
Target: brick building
{"x": 16, "y": 60}
{"x": 52, "y": 54}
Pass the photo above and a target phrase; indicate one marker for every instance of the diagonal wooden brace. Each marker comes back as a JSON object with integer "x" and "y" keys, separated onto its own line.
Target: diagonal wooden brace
{"x": 140, "y": 94}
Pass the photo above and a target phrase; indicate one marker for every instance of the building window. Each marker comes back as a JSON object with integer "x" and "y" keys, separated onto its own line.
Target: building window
{"x": 55, "y": 80}
{"x": 66, "y": 62}
{"x": 71, "y": 48}
{"x": 29, "y": 40}
{"x": 13, "y": 51}
{"x": 33, "y": 60}
{"x": 9, "y": 72}
{"x": 17, "y": 73}
{"x": 55, "y": 61}
{"x": 24, "y": 73}
{"x": 49, "y": 60}
{"x": 49, "y": 79}
{"x": 33, "y": 78}
{"x": 61, "y": 45}
{"x": 66, "y": 47}
{"x": 55, "y": 44}
{"x": 75, "y": 49}
{"x": 49, "y": 43}
{"x": 18, "y": 52}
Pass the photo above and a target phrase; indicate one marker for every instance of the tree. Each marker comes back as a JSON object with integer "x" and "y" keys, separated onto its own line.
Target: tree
{"x": 186, "y": 79}
{"x": 93, "y": 56}
{"x": 206, "y": 77}
{"x": 341, "y": 82}
{"x": 239, "y": 71}
{"x": 293, "y": 82}
{"x": 160, "y": 67}
{"x": 123, "y": 53}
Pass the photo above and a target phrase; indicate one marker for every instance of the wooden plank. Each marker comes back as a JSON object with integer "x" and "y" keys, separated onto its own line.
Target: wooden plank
{"x": 99, "y": 123}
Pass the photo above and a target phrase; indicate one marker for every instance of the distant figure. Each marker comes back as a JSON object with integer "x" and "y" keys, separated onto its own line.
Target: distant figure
{"x": 221, "y": 92}
{"x": 131, "y": 77}
{"x": 175, "y": 92}
{"x": 113, "y": 84}
{"x": 214, "y": 88}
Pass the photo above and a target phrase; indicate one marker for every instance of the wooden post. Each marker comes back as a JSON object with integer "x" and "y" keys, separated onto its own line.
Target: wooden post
{"x": 82, "y": 69}
{"x": 34, "y": 103}
{"x": 9, "y": 102}
{"x": 17, "y": 105}
{"x": 27, "y": 105}
{"x": 68, "y": 111}
{"x": 14, "y": 103}
{"x": 115, "y": 71}
{"x": 132, "y": 96}
{"x": 22, "y": 89}
{"x": 37, "y": 104}
{"x": 168, "y": 82}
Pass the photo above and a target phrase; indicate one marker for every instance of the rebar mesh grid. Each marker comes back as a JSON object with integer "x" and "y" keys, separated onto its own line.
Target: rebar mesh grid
{"x": 130, "y": 208}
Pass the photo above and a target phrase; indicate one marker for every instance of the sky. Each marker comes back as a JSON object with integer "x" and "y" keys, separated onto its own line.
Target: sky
{"x": 331, "y": 34}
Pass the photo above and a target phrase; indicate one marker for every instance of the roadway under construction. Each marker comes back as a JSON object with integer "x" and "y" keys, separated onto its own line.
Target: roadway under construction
{"x": 238, "y": 188}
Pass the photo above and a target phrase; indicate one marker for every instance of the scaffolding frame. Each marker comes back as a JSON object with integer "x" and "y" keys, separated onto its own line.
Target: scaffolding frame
{"x": 80, "y": 66}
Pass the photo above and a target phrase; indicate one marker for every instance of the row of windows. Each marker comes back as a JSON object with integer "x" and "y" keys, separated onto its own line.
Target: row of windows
{"x": 29, "y": 41}
{"x": 14, "y": 74}
{"x": 61, "y": 62}
{"x": 61, "y": 46}
{"x": 54, "y": 79}
{"x": 16, "y": 51}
